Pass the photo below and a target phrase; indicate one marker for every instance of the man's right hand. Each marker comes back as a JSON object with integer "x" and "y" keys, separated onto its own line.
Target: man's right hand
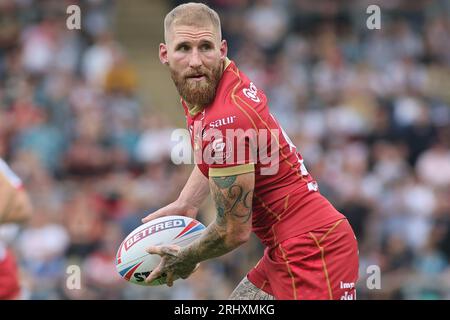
{"x": 174, "y": 208}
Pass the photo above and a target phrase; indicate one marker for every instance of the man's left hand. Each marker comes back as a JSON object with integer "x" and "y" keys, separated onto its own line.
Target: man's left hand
{"x": 173, "y": 264}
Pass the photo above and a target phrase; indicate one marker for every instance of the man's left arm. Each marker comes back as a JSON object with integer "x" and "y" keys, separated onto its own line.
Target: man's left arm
{"x": 233, "y": 196}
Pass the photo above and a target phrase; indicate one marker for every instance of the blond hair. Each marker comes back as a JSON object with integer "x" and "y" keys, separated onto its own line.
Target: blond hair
{"x": 192, "y": 14}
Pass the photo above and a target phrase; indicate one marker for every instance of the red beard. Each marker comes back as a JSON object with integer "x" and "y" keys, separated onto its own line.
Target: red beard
{"x": 198, "y": 92}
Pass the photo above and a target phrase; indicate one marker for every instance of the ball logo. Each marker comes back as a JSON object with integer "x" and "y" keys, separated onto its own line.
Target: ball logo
{"x": 154, "y": 228}
{"x": 251, "y": 92}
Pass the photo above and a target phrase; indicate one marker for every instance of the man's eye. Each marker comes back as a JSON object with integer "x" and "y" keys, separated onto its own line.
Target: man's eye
{"x": 183, "y": 48}
{"x": 205, "y": 47}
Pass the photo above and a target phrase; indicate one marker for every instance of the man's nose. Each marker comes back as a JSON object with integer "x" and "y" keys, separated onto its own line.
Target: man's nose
{"x": 195, "y": 61}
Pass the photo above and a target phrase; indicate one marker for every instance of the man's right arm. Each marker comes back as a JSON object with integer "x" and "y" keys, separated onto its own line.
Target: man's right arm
{"x": 191, "y": 197}
{"x": 15, "y": 205}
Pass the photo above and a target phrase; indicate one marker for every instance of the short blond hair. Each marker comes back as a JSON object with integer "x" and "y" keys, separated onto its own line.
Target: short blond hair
{"x": 192, "y": 14}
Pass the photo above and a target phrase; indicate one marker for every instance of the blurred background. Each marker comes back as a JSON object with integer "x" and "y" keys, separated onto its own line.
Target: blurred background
{"x": 86, "y": 118}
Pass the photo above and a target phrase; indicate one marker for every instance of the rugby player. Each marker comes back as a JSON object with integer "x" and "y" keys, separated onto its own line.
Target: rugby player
{"x": 310, "y": 248}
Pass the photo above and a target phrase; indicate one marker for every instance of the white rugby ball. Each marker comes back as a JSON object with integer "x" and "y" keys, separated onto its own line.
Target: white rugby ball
{"x": 134, "y": 264}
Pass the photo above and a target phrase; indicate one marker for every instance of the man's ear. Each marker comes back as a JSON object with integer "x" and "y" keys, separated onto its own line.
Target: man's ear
{"x": 163, "y": 53}
{"x": 223, "y": 49}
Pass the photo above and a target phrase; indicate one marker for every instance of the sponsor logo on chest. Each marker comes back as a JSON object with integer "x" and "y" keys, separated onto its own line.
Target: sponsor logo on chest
{"x": 221, "y": 122}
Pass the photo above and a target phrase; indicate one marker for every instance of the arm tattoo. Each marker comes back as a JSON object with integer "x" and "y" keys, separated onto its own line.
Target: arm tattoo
{"x": 210, "y": 245}
{"x": 224, "y": 182}
{"x": 248, "y": 291}
{"x": 233, "y": 197}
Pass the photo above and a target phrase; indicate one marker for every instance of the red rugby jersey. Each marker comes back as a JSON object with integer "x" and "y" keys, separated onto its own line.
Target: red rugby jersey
{"x": 229, "y": 137}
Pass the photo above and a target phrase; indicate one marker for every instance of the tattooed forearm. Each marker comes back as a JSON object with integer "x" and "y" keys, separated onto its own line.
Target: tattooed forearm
{"x": 233, "y": 199}
{"x": 212, "y": 244}
{"x": 248, "y": 291}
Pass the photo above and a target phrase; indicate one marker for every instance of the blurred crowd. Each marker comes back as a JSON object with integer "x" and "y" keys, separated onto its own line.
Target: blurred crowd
{"x": 368, "y": 109}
